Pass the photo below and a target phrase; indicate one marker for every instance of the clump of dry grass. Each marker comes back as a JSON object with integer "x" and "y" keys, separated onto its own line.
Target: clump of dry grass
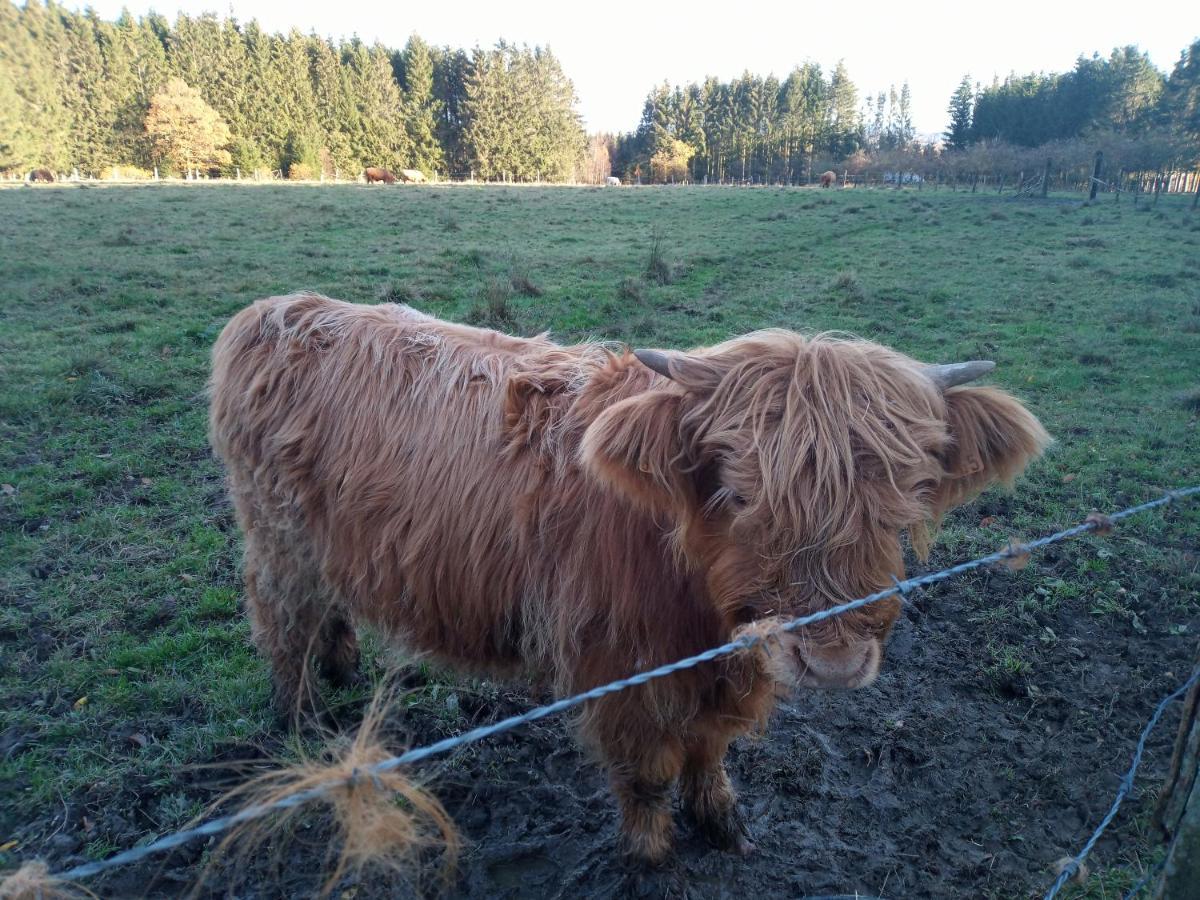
{"x": 399, "y": 292}
{"x": 630, "y": 289}
{"x": 847, "y": 285}
{"x": 1190, "y": 399}
{"x": 494, "y": 309}
{"x": 521, "y": 282}
{"x": 658, "y": 268}
{"x": 383, "y": 820}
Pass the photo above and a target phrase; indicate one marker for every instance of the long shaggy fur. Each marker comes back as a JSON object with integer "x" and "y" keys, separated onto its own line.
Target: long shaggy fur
{"x": 514, "y": 506}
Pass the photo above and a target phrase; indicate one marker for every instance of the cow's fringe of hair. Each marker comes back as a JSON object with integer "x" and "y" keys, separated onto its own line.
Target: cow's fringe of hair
{"x": 33, "y": 881}
{"x": 383, "y": 820}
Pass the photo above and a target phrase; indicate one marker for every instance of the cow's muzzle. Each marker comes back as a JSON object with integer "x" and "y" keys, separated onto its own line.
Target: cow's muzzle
{"x": 838, "y": 666}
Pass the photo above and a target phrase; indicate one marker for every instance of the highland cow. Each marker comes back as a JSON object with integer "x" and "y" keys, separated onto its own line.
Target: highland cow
{"x": 578, "y": 513}
{"x": 44, "y": 176}
{"x": 828, "y": 179}
{"x": 374, "y": 174}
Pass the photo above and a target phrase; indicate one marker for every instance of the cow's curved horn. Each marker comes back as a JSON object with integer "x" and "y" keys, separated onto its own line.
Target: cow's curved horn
{"x": 656, "y": 360}
{"x": 949, "y": 374}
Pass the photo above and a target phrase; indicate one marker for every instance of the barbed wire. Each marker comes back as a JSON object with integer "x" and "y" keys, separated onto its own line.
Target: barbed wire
{"x": 1069, "y": 870}
{"x": 902, "y": 588}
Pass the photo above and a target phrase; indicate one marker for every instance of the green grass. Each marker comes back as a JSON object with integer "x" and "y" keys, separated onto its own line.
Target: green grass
{"x": 123, "y": 653}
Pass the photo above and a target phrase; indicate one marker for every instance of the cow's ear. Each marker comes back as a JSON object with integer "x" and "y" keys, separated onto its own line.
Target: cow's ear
{"x": 634, "y": 447}
{"x": 993, "y": 438}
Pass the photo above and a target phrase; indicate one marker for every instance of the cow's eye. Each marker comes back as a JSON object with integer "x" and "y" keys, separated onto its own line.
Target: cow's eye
{"x": 735, "y": 500}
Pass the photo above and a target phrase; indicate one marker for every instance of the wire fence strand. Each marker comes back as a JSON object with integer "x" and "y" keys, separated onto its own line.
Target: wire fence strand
{"x": 1069, "y": 870}
{"x": 901, "y": 588}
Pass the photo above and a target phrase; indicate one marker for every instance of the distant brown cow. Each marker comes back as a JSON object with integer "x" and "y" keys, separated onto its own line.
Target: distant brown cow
{"x": 828, "y": 179}
{"x": 579, "y": 513}
{"x": 44, "y": 176}
{"x": 374, "y": 174}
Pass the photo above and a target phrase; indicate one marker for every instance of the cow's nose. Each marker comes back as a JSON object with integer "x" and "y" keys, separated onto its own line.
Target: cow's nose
{"x": 844, "y": 666}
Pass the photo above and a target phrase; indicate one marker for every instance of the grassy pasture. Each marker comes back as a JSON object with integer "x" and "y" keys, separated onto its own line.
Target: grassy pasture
{"x": 124, "y": 657}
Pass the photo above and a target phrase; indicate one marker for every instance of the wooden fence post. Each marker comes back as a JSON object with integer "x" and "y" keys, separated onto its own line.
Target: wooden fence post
{"x": 1046, "y": 178}
{"x": 1096, "y": 170}
{"x": 1178, "y": 811}
{"x": 1196, "y": 196}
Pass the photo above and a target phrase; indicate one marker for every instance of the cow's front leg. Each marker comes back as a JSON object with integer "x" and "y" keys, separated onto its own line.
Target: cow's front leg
{"x": 708, "y": 795}
{"x": 643, "y": 788}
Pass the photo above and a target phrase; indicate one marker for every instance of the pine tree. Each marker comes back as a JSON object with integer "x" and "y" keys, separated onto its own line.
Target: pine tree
{"x": 89, "y": 104}
{"x": 35, "y": 124}
{"x": 422, "y": 108}
{"x": 690, "y": 128}
{"x": 1180, "y": 102}
{"x": 844, "y": 125}
{"x": 905, "y": 132}
{"x": 337, "y": 114}
{"x": 958, "y": 135}
{"x": 450, "y": 68}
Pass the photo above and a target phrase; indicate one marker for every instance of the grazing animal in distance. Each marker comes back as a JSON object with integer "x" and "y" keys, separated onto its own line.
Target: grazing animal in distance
{"x": 44, "y": 176}
{"x": 412, "y": 176}
{"x": 579, "y": 513}
{"x": 612, "y": 181}
{"x": 374, "y": 174}
{"x": 828, "y": 179}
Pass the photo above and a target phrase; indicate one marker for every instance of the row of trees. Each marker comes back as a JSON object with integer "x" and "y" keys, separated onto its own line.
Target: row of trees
{"x": 756, "y": 129}
{"x": 78, "y": 92}
{"x": 1128, "y": 161}
{"x": 1123, "y": 94}
{"x": 759, "y": 129}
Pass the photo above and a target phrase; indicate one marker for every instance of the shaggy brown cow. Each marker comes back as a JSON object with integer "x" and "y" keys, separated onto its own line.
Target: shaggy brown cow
{"x": 828, "y": 179}
{"x": 44, "y": 176}
{"x": 374, "y": 174}
{"x": 579, "y": 513}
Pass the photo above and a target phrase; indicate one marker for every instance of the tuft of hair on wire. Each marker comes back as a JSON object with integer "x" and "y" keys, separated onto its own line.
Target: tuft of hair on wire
{"x": 33, "y": 881}
{"x": 382, "y": 821}
{"x": 385, "y": 818}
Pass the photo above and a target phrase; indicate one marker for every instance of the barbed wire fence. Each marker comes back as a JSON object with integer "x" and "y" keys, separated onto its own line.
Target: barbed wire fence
{"x": 1069, "y": 870}
{"x": 1014, "y": 552}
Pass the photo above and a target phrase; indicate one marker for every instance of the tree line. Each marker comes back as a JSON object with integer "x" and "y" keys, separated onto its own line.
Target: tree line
{"x": 763, "y": 130}
{"x": 1123, "y": 93}
{"x": 81, "y": 93}
{"x": 759, "y": 129}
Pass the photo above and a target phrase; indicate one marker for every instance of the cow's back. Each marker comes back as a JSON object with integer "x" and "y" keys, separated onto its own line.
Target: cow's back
{"x": 375, "y": 436}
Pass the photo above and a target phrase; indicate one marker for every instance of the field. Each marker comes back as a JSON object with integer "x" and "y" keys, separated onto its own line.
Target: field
{"x": 1009, "y": 705}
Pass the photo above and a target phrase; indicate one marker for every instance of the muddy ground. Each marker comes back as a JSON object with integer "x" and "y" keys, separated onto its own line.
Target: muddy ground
{"x": 944, "y": 779}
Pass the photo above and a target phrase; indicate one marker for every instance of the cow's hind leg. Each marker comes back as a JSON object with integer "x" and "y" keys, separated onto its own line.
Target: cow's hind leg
{"x": 708, "y": 796}
{"x": 284, "y": 600}
{"x": 337, "y": 655}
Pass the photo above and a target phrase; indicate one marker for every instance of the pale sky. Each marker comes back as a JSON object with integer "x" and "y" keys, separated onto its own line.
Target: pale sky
{"x": 615, "y": 52}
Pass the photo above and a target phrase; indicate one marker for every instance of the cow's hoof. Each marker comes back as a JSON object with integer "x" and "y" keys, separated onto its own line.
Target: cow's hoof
{"x": 662, "y": 879}
{"x": 728, "y": 833}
